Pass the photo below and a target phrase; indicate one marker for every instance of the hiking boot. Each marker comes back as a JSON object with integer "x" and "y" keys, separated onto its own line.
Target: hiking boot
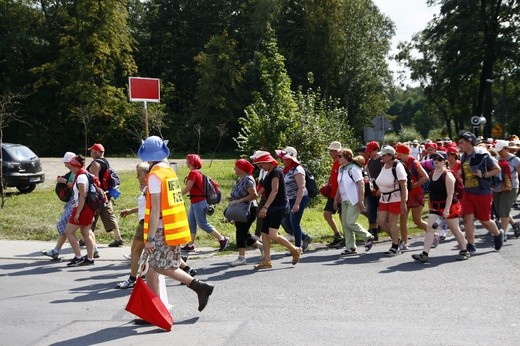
{"x": 368, "y": 244}
{"x": 96, "y": 254}
{"x": 238, "y": 262}
{"x": 188, "y": 248}
{"x": 306, "y": 242}
{"x": 86, "y": 262}
{"x": 336, "y": 241}
{"x": 471, "y": 248}
{"x": 223, "y": 243}
{"x": 263, "y": 265}
{"x": 349, "y": 252}
{"x": 75, "y": 262}
{"x": 420, "y": 257}
{"x": 126, "y": 284}
{"x": 462, "y": 256}
{"x": 55, "y": 255}
{"x": 116, "y": 243}
{"x": 499, "y": 240}
{"x": 203, "y": 291}
{"x": 296, "y": 255}
{"x": 392, "y": 252}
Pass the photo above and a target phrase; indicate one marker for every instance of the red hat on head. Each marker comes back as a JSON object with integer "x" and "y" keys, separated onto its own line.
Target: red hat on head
{"x": 267, "y": 158}
{"x": 245, "y": 166}
{"x": 75, "y": 163}
{"x": 97, "y": 147}
{"x": 371, "y": 146}
{"x": 430, "y": 145}
{"x": 194, "y": 160}
{"x": 402, "y": 149}
{"x": 452, "y": 150}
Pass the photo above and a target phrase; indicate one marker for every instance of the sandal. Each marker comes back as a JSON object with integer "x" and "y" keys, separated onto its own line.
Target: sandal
{"x": 263, "y": 265}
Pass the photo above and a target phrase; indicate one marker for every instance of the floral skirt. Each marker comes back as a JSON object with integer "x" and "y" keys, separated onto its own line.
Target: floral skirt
{"x": 164, "y": 256}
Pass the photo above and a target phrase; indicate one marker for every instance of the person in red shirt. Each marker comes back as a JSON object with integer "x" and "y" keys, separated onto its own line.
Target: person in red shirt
{"x": 453, "y": 159}
{"x": 415, "y": 201}
{"x": 329, "y": 190}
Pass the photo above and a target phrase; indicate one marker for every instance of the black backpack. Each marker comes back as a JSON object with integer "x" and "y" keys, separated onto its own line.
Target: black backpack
{"x": 310, "y": 183}
{"x": 409, "y": 182}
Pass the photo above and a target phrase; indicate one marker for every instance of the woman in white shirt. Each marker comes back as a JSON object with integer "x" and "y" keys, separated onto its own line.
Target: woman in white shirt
{"x": 351, "y": 195}
{"x": 393, "y": 198}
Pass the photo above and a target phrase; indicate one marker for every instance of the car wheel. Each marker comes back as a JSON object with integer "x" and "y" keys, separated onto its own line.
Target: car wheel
{"x": 26, "y": 188}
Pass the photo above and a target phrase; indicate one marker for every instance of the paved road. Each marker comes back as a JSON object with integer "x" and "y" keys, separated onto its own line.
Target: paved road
{"x": 324, "y": 300}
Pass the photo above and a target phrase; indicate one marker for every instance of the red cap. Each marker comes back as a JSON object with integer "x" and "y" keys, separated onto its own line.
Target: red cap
{"x": 97, "y": 147}
{"x": 371, "y": 146}
{"x": 402, "y": 149}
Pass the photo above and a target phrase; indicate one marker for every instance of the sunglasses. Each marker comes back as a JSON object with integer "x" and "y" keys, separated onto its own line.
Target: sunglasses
{"x": 438, "y": 159}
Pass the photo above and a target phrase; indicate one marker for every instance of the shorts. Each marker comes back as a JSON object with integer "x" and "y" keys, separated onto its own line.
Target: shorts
{"x": 392, "y": 207}
{"x": 478, "y": 205}
{"x": 106, "y": 214}
{"x": 329, "y": 206}
{"x": 415, "y": 200}
{"x": 139, "y": 232}
{"x": 273, "y": 219}
{"x": 503, "y": 202}
{"x": 437, "y": 208}
{"x": 164, "y": 256}
{"x": 64, "y": 218}
{"x": 86, "y": 216}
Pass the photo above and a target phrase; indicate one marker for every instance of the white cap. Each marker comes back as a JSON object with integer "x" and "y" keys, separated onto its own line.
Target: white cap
{"x": 68, "y": 156}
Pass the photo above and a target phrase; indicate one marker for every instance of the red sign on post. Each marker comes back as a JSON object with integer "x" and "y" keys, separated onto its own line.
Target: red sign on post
{"x": 144, "y": 89}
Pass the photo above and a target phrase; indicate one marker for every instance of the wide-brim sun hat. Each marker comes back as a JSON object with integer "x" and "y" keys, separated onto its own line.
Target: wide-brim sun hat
{"x": 288, "y": 153}
{"x": 359, "y": 160}
{"x": 266, "y": 158}
{"x": 258, "y": 154}
{"x": 245, "y": 166}
{"x": 153, "y": 149}
{"x": 335, "y": 145}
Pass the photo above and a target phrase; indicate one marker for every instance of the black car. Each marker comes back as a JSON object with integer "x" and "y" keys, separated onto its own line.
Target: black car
{"x": 21, "y": 168}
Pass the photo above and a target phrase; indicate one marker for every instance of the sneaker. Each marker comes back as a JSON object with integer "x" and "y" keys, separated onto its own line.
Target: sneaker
{"x": 238, "y": 262}
{"x": 126, "y": 284}
{"x": 368, "y": 244}
{"x": 499, "y": 240}
{"x": 223, "y": 243}
{"x": 75, "y": 262}
{"x": 462, "y": 256}
{"x": 86, "y": 262}
{"x": 116, "y": 243}
{"x": 403, "y": 246}
{"x": 336, "y": 241}
{"x": 263, "y": 265}
{"x": 349, "y": 252}
{"x": 55, "y": 255}
{"x": 471, "y": 248}
{"x": 188, "y": 247}
{"x": 96, "y": 254}
{"x": 306, "y": 242}
{"x": 126, "y": 257}
{"x": 516, "y": 229}
{"x": 436, "y": 240}
{"x": 81, "y": 242}
{"x": 420, "y": 257}
{"x": 392, "y": 252}
{"x": 296, "y": 254}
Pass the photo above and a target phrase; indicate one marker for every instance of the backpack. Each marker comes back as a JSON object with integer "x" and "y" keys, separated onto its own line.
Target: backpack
{"x": 310, "y": 183}
{"x": 108, "y": 176}
{"x": 369, "y": 186}
{"x": 409, "y": 182}
{"x": 96, "y": 197}
{"x": 505, "y": 174}
{"x": 62, "y": 190}
{"x": 211, "y": 190}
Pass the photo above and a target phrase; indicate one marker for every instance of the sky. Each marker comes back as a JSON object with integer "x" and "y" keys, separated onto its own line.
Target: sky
{"x": 409, "y": 17}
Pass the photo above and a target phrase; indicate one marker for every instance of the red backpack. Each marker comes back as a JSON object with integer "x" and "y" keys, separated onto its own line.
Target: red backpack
{"x": 505, "y": 174}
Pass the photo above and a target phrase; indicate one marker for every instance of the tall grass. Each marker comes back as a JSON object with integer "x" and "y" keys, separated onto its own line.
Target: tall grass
{"x": 33, "y": 216}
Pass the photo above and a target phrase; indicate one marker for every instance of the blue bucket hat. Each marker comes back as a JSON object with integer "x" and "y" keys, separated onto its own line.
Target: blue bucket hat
{"x": 153, "y": 149}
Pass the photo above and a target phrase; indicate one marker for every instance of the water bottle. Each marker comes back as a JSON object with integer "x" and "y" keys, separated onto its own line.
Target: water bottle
{"x": 440, "y": 222}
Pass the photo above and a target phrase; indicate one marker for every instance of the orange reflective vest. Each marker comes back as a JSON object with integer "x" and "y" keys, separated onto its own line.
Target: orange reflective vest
{"x": 173, "y": 212}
